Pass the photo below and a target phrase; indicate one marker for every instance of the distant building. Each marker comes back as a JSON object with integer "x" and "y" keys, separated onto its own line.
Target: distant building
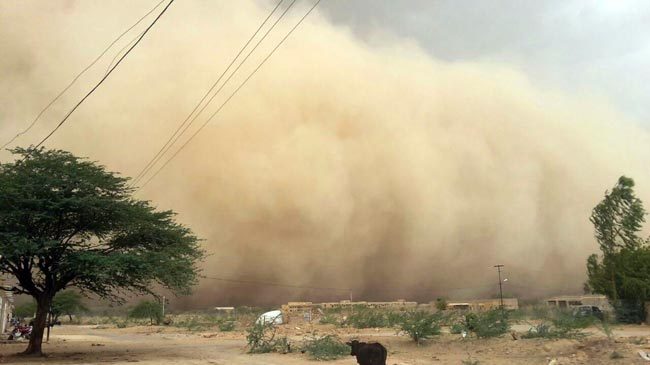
{"x": 478, "y": 305}
{"x": 573, "y": 301}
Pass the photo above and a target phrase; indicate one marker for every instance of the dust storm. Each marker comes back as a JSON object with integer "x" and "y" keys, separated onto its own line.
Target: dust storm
{"x": 379, "y": 168}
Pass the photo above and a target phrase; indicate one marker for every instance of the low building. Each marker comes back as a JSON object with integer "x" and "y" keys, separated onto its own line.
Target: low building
{"x": 574, "y": 301}
{"x": 478, "y": 305}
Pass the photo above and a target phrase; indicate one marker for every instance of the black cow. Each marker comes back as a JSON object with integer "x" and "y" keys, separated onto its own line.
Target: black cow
{"x": 368, "y": 353}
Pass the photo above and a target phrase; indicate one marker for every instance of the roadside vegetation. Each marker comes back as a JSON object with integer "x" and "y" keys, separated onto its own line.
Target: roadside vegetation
{"x": 263, "y": 338}
{"x": 420, "y": 325}
{"x": 325, "y": 348}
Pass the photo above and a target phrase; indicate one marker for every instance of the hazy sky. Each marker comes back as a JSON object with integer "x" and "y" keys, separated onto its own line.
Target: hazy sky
{"x": 589, "y": 47}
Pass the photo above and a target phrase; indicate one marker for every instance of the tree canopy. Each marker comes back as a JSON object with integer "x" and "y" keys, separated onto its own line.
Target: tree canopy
{"x": 67, "y": 222}
{"x": 622, "y": 272}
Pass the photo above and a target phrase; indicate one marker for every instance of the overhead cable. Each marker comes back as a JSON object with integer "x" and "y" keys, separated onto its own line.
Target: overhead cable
{"x": 232, "y": 95}
{"x": 74, "y": 80}
{"x": 105, "y": 76}
{"x": 185, "y": 125}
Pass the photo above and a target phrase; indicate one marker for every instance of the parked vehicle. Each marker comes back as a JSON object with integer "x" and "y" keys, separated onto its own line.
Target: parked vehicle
{"x": 21, "y": 331}
{"x": 588, "y": 311}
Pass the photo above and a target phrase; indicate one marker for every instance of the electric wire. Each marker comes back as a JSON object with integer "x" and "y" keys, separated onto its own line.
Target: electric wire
{"x": 110, "y": 64}
{"x": 231, "y": 95}
{"x": 74, "y": 80}
{"x": 105, "y": 76}
{"x": 185, "y": 125}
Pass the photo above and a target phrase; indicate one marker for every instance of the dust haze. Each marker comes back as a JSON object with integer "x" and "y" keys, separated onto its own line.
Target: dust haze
{"x": 341, "y": 164}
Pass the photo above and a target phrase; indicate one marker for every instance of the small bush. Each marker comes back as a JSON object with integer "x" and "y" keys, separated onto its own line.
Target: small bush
{"x": 147, "y": 310}
{"x": 394, "y": 318}
{"x": 563, "y": 325}
{"x": 329, "y": 319}
{"x": 367, "y": 318}
{"x": 326, "y": 348}
{"x": 457, "y": 328}
{"x": 226, "y": 326}
{"x": 542, "y": 330}
{"x": 492, "y": 323}
{"x": 261, "y": 338}
{"x": 420, "y": 325}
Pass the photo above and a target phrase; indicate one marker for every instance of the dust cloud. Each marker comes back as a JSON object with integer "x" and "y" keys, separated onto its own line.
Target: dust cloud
{"x": 341, "y": 164}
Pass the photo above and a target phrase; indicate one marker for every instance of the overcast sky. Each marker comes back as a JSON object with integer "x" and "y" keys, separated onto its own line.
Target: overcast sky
{"x": 591, "y": 47}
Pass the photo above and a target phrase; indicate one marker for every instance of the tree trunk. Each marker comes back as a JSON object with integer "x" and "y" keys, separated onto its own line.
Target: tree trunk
{"x": 36, "y": 339}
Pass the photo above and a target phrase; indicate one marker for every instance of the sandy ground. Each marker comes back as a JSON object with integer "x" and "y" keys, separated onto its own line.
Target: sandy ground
{"x": 169, "y": 345}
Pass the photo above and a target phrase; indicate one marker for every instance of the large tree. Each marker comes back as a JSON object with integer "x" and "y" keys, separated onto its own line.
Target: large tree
{"x": 622, "y": 271}
{"x": 67, "y": 222}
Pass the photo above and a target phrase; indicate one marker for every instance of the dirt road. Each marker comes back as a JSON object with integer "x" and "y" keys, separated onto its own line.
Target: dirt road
{"x": 168, "y": 345}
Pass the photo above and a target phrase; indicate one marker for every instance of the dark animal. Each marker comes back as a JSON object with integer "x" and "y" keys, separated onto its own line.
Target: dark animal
{"x": 368, "y": 353}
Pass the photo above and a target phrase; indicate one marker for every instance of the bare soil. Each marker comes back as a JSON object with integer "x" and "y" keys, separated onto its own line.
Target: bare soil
{"x": 169, "y": 345}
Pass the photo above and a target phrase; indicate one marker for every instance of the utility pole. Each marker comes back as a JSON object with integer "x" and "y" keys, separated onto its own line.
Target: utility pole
{"x": 500, "y": 286}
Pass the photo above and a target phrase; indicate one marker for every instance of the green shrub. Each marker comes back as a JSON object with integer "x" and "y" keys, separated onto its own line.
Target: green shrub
{"x": 563, "y": 325}
{"x": 542, "y": 330}
{"x": 327, "y": 347}
{"x": 226, "y": 326}
{"x": 457, "y": 328}
{"x": 329, "y": 319}
{"x": 420, "y": 325}
{"x": 568, "y": 325}
{"x": 147, "y": 310}
{"x": 394, "y": 318}
{"x": 367, "y": 318}
{"x": 492, "y": 323}
{"x": 261, "y": 338}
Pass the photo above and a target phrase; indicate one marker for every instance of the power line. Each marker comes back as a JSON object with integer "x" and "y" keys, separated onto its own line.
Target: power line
{"x": 185, "y": 125}
{"x": 110, "y": 64}
{"x": 233, "y": 94}
{"x": 74, "y": 80}
{"x": 105, "y": 76}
